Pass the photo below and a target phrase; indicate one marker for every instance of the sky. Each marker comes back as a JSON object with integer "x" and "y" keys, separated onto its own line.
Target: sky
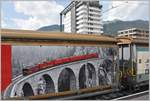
{"x": 32, "y": 14}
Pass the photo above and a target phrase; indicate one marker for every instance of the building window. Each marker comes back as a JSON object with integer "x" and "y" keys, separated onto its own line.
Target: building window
{"x": 140, "y": 61}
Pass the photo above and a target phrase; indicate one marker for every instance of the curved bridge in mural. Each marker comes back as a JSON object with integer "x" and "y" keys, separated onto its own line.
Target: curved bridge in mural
{"x": 66, "y": 77}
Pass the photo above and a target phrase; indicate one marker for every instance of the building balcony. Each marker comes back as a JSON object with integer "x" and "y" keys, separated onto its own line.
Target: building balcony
{"x": 92, "y": 22}
{"x": 84, "y": 11}
{"x": 89, "y": 30}
{"x": 82, "y": 26}
{"x": 81, "y": 8}
{"x": 81, "y": 17}
{"x": 85, "y": 16}
{"x": 81, "y": 12}
{"x": 82, "y": 21}
{"x": 95, "y": 9}
{"x": 95, "y": 13}
{"x": 95, "y": 17}
{"x": 89, "y": 26}
{"x": 95, "y": 22}
{"x": 81, "y": 30}
{"x": 95, "y": 31}
{"x": 95, "y": 26}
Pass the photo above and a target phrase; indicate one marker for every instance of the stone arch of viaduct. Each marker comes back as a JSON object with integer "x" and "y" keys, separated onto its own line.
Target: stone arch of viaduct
{"x": 71, "y": 76}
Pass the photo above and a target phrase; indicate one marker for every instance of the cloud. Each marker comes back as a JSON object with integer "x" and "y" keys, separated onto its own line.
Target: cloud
{"x": 3, "y": 23}
{"x": 40, "y": 13}
{"x": 128, "y": 10}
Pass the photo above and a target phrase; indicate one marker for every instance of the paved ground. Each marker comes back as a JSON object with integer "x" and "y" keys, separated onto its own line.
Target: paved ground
{"x": 143, "y": 97}
{"x": 138, "y": 96}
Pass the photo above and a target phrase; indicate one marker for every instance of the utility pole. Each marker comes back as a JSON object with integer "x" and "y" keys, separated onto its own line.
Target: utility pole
{"x": 60, "y": 22}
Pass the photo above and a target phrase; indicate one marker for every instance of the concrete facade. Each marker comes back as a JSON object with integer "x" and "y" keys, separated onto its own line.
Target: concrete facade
{"x": 85, "y": 17}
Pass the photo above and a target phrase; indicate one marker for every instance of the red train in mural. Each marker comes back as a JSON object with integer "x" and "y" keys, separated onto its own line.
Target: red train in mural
{"x": 49, "y": 64}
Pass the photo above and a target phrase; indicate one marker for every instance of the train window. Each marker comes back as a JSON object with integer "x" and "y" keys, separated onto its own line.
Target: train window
{"x": 146, "y": 71}
{"x": 140, "y": 61}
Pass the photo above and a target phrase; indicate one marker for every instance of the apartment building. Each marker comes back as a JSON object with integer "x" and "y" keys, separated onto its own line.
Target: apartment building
{"x": 134, "y": 33}
{"x": 83, "y": 17}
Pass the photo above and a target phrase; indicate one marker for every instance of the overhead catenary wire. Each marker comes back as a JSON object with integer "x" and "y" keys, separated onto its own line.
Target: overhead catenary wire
{"x": 113, "y": 7}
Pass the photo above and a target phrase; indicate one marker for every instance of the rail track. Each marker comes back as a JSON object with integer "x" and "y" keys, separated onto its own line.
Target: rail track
{"x": 104, "y": 93}
{"x": 133, "y": 96}
{"x": 119, "y": 95}
{"x": 91, "y": 94}
{"x": 97, "y": 93}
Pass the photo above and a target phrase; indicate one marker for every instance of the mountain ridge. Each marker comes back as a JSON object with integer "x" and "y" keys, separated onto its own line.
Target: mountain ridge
{"x": 109, "y": 27}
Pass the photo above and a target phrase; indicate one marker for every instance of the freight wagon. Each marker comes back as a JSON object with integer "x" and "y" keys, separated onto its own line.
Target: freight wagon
{"x": 133, "y": 62}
